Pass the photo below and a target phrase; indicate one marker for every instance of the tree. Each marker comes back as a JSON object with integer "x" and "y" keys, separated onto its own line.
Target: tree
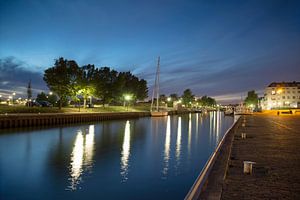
{"x": 105, "y": 86}
{"x": 207, "y": 101}
{"x": 131, "y": 84}
{"x": 162, "y": 98}
{"x": 252, "y": 98}
{"x": 61, "y": 78}
{"x": 187, "y": 97}
{"x": 174, "y": 97}
{"x": 85, "y": 82}
{"x": 41, "y": 97}
{"x": 29, "y": 92}
{"x": 52, "y": 99}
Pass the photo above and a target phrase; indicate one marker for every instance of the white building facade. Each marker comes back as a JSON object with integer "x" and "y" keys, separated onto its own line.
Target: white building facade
{"x": 281, "y": 95}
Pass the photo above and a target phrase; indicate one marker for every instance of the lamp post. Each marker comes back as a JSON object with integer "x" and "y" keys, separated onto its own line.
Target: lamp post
{"x": 13, "y": 94}
{"x": 90, "y": 101}
{"x": 127, "y": 99}
{"x": 9, "y": 99}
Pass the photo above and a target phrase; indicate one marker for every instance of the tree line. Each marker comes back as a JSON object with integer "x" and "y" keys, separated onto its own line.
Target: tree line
{"x": 188, "y": 99}
{"x": 70, "y": 81}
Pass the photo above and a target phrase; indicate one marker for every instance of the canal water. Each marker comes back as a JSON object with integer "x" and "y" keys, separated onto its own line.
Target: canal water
{"x": 145, "y": 158}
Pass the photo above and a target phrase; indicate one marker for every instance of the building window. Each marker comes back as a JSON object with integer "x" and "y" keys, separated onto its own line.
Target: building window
{"x": 294, "y": 97}
{"x": 283, "y": 97}
{"x": 288, "y": 91}
{"x": 288, "y": 97}
{"x": 273, "y": 92}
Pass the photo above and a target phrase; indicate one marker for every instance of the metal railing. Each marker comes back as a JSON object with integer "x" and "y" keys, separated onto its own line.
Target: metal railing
{"x": 196, "y": 189}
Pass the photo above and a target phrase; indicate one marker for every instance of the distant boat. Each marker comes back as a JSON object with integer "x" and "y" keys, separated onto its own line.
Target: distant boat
{"x": 157, "y": 112}
{"x": 242, "y": 110}
{"x": 228, "y": 112}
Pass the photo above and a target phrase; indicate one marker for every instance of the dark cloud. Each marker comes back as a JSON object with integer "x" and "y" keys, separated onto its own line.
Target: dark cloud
{"x": 14, "y": 77}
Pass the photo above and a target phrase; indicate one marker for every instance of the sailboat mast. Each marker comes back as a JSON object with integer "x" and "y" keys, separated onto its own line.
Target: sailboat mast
{"x": 157, "y": 84}
{"x": 156, "y": 87}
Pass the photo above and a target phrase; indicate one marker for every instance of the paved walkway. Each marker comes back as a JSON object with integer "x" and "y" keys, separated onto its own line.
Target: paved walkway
{"x": 273, "y": 142}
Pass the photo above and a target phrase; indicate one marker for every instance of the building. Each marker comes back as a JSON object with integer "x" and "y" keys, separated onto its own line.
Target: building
{"x": 281, "y": 95}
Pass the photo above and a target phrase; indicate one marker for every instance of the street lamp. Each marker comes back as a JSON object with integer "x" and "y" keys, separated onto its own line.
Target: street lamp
{"x": 13, "y": 97}
{"x": 50, "y": 93}
{"x": 90, "y": 100}
{"x": 9, "y": 99}
{"x": 127, "y": 98}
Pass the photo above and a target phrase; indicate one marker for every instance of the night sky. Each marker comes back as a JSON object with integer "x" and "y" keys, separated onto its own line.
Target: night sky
{"x": 216, "y": 48}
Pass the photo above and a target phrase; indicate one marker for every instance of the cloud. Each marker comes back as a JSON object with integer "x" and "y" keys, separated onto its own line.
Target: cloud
{"x": 236, "y": 97}
{"x": 14, "y": 77}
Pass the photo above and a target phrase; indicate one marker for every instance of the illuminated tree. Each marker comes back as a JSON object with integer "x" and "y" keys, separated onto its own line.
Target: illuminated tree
{"x": 61, "y": 78}
{"x": 207, "y": 101}
{"x": 251, "y": 99}
{"x": 86, "y": 82}
{"x": 187, "y": 97}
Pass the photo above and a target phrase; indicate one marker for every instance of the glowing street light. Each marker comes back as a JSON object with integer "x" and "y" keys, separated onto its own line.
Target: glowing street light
{"x": 91, "y": 98}
{"x": 13, "y": 94}
{"x": 50, "y": 93}
{"x": 127, "y": 98}
{"x": 169, "y": 99}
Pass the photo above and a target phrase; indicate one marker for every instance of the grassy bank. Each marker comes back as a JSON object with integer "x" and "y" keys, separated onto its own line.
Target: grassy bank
{"x": 22, "y": 109}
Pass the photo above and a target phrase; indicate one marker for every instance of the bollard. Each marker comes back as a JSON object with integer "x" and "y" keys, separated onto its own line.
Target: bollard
{"x": 248, "y": 167}
{"x": 243, "y": 135}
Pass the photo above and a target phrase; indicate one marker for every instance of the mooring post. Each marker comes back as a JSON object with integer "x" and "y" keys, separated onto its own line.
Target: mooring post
{"x": 248, "y": 166}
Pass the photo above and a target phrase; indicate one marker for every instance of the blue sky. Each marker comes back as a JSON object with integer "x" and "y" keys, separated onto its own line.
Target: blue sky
{"x": 216, "y": 48}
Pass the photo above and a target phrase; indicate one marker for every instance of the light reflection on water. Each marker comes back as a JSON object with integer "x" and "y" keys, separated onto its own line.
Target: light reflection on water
{"x": 167, "y": 148}
{"x": 125, "y": 152}
{"x": 82, "y": 156}
{"x": 178, "y": 141}
{"x": 84, "y": 161}
{"x": 190, "y": 133}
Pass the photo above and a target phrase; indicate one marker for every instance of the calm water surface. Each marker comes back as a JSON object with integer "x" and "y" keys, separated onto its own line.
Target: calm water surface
{"x": 146, "y": 158}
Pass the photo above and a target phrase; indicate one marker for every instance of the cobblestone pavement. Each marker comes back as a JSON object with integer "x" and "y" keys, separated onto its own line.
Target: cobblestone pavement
{"x": 273, "y": 142}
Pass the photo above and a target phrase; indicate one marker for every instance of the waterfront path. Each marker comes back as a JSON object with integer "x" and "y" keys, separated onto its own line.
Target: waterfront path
{"x": 273, "y": 142}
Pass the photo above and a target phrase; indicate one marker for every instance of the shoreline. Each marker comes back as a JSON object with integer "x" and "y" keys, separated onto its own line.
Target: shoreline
{"x": 13, "y": 121}
{"x": 207, "y": 180}
{"x": 272, "y": 143}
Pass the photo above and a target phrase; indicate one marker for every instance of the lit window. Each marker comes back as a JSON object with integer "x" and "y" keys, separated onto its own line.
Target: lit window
{"x": 273, "y": 92}
{"x": 279, "y": 91}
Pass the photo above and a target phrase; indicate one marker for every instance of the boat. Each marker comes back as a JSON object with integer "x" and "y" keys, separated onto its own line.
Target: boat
{"x": 157, "y": 112}
{"x": 229, "y": 112}
{"x": 242, "y": 110}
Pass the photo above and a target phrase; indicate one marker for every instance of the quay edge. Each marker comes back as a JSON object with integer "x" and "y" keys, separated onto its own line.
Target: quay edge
{"x": 52, "y": 119}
